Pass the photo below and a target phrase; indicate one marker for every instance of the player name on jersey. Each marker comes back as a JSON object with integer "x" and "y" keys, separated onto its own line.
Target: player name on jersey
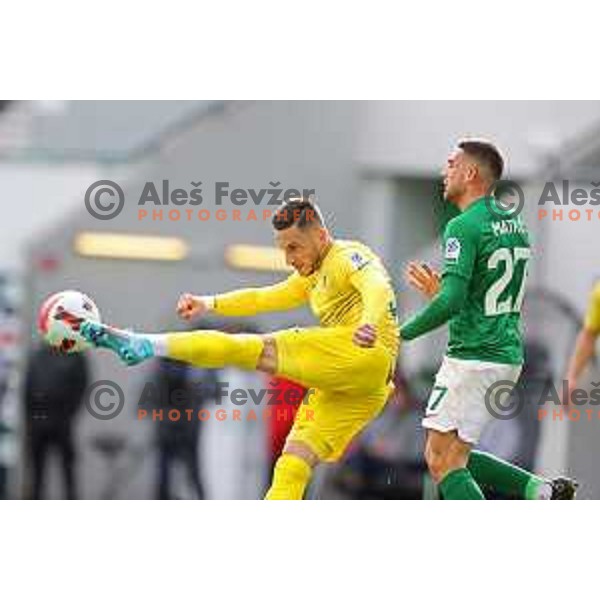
{"x": 509, "y": 226}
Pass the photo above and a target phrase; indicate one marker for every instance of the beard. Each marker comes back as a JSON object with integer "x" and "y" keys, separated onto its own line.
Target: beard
{"x": 451, "y": 193}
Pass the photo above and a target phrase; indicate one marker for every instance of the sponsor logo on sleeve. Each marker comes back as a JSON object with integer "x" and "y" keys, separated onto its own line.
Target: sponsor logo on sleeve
{"x": 358, "y": 261}
{"x": 452, "y": 249}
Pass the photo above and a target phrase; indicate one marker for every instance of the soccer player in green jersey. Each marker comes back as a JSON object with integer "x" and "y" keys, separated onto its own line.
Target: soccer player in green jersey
{"x": 480, "y": 292}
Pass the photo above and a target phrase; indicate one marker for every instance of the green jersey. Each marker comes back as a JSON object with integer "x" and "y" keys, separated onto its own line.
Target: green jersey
{"x": 491, "y": 252}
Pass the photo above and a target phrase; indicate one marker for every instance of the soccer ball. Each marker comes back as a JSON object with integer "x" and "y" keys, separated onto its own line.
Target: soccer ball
{"x": 59, "y": 312}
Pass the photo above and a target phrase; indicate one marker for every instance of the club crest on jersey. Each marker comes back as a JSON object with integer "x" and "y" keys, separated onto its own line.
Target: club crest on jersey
{"x": 452, "y": 249}
{"x": 357, "y": 260}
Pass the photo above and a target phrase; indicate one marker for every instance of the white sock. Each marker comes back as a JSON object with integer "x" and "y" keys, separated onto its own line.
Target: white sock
{"x": 159, "y": 343}
{"x": 545, "y": 491}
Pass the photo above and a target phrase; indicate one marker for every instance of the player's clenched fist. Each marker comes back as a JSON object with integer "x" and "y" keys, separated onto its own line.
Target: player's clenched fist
{"x": 192, "y": 307}
{"x": 365, "y": 336}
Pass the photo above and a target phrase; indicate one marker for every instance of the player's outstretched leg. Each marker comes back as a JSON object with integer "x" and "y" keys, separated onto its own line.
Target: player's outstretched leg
{"x": 208, "y": 349}
{"x": 492, "y": 472}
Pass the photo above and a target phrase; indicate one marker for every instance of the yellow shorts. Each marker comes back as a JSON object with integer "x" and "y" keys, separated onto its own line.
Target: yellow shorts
{"x": 326, "y": 358}
{"x": 329, "y": 421}
{"x": 349, "y": 385}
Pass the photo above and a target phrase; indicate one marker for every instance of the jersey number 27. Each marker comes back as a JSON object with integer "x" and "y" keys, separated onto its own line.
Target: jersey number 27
{"x": 510, "y": 258}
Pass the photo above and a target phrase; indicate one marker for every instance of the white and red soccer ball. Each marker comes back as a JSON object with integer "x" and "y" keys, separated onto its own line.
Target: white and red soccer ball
{"x": 59, "y": 318}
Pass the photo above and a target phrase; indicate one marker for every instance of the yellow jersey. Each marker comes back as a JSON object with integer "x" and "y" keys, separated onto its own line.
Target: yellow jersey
{"x": 350, "y": 288}
{"x": 592, "y": 317}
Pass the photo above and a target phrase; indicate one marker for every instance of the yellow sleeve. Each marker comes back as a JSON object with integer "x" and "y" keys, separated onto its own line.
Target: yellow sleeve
{"x": 370, "y": 280}
{"x": 375, "y": 291}
{"x": 592, "y": 317}
{"x": 288, "y": 294}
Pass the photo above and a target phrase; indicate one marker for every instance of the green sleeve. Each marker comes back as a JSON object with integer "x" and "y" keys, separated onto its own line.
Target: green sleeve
{"x": 460, "y": 247}
{"x": 446, "y": 303}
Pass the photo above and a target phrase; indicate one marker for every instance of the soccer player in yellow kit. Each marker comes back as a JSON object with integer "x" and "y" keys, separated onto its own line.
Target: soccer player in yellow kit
{"x": 348, "y": 360}
{"x": 586, "y": 341}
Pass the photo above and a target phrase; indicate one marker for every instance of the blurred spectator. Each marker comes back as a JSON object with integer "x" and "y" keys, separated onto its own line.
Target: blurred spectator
{"x": 238, "y": 451}
{"x": 54, "y": 389}
{"x": 183, "y": 387}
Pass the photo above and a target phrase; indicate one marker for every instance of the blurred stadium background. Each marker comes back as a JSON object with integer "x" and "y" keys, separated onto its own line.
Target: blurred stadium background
{"x": 375, "y": 169}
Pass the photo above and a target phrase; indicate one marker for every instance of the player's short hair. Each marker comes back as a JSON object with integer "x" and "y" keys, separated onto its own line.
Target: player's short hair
{"x": 486, "y": 154}
{"x": 298, "y": 212}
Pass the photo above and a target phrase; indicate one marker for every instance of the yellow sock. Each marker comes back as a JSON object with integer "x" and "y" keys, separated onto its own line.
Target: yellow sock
{"x": 215, "y": 349}
{"x": 290, "y": 478}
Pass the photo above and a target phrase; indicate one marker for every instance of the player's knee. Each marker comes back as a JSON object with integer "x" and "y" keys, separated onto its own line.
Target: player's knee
{"x": 436, "y": 462}
{"x": 303, "y": 451}
{"x": 457, "y": 455}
